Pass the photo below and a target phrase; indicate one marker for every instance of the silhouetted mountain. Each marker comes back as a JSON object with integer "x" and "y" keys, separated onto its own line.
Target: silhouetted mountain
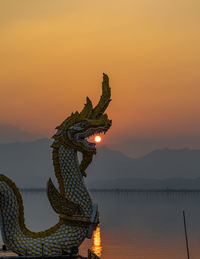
{"x": 137, "y": 147}
{"x": 9, "y": 134}
{"x": 161, "y": 164}
{"x": 30, "y": 165}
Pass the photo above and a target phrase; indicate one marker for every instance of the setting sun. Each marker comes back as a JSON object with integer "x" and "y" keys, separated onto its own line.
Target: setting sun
{"x": 97, "y": 139}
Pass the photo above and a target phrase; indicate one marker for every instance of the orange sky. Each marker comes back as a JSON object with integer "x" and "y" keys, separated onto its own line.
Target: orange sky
{"x": 53, "y": 53}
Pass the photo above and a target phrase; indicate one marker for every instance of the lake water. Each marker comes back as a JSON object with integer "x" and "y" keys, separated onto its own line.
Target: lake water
{"x": 138, "y": 225}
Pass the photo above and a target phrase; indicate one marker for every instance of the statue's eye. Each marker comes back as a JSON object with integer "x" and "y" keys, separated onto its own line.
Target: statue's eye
{"x": 84, "y": 124}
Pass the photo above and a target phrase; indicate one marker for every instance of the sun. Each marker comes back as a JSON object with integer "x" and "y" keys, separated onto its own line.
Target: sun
{"x": 97, "y": 139}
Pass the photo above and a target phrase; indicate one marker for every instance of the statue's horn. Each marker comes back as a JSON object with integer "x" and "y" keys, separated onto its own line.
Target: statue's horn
{"x": 104, "y": 100}
{"x": 87, "y": 110}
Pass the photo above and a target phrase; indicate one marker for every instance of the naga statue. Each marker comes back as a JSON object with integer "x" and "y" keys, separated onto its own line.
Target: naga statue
{"x": 78, "y": 216}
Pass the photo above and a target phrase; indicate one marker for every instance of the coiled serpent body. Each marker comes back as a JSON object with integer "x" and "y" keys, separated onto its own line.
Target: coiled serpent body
{"x": 72, "y": 202}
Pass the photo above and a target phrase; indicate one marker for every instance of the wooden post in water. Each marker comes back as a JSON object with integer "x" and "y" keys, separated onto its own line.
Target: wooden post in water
{"x": 186, "y": 238}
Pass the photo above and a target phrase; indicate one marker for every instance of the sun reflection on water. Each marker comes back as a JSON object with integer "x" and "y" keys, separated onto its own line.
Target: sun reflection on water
{"x": 97, "y": 248}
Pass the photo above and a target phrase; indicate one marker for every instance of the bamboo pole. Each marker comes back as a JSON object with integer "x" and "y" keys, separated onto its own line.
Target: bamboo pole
{"x": 186, "y": 237}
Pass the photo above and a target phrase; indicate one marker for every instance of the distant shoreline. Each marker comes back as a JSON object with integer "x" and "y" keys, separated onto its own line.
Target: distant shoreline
{"x": 145, "y": 190}
{"x": 121, "y": 190}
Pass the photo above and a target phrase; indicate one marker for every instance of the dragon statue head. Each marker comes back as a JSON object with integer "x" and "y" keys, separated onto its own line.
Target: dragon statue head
{"x": 77, "y": 128}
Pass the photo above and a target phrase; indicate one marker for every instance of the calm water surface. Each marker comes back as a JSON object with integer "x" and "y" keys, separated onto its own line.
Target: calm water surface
{"x": 133, "y": 225}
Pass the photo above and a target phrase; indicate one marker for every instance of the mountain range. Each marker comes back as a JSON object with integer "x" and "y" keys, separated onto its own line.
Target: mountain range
{"x": 29, "y": 164}
{"x": 10, "y": 133}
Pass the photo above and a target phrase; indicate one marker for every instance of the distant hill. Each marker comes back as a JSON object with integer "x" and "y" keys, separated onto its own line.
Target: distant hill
{"x": 161, "y": 164}
{"x": 30, "y": 165}
{"x": 10, "y": 133}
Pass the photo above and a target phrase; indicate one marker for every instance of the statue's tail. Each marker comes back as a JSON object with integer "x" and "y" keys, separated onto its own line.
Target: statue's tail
{"x": 19, "y": 239}
{"x": 11, "y": 210}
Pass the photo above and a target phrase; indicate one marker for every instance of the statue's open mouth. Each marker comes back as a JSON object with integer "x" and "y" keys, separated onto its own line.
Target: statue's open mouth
{"x": 83, "y": 137}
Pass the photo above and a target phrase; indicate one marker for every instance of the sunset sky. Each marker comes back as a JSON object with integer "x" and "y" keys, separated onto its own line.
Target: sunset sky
{"x": 53, "y": 54}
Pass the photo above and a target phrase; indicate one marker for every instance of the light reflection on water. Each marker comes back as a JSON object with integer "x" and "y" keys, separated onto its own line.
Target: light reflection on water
{"x": 133, "y": 225}
{"x": 97, "y": 248}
